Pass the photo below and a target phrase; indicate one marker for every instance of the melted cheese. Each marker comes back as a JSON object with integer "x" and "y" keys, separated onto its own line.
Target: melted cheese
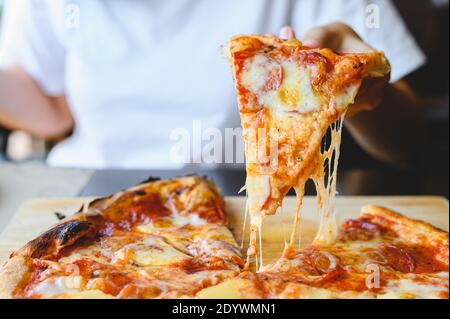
{"x": 285, "y": 89}
{"x": 295, "y": 93}
{"x": 300, "y": 291}
{"x": 93, "y": 252}
{"x": 326, "y": 192}
{"x": 258, "y": 190}
{"x": 153, "y": 251}
{"x": 58, "y": 285}
{"x": 230, "y": 289}
{"x": 410, "y": 288}
{"x": 67, "y": 287}
{"x": 174, "y": 221}
{"x": 86, "y": 294}
{"x": 257, "y": 71}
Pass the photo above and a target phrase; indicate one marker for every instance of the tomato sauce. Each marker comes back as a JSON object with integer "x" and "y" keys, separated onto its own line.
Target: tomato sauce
{"x": 193, "y": 265}
{"x": 133, "y": 209}
{"x": 24, "y": 289}
{"x": 358, "y": 229}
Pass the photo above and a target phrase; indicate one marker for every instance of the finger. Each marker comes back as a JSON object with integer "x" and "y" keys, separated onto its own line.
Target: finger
{"x": 354, "y": 44}
{"x": 336, "y": 36}
{"x": 372, "y": 85}
{"x": 316, "y": 38}
{"x": 287, "y": 32}
{"x": 369, "y": 96}
{"x": 311, "y": 43}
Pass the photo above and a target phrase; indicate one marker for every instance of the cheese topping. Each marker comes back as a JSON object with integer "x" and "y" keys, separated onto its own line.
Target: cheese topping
{"x": 174, "y": 221}
{"x": 414, "y": 287}
{"x": 153, "y": 251}
{"x": 284, "y": 87}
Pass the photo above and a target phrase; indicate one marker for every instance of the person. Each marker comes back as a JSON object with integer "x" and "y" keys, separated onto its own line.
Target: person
{"x": 120, "y": 76}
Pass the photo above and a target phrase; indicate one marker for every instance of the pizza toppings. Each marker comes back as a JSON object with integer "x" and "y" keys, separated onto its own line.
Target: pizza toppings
{"x": 261, "y": 74}
{"x": 357, "y": 229}
{"x": 408, "y": 258}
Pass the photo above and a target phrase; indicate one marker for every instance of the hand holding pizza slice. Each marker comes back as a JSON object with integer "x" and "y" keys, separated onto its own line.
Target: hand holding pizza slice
{"x": 288, "y": 96}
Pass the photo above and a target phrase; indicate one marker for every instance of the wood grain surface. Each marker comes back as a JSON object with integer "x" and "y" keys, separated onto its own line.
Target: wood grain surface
{"x": 37, "y": 215}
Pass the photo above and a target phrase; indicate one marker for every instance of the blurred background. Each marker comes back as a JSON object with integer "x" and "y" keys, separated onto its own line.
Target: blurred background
{"x": 360, "y": 174}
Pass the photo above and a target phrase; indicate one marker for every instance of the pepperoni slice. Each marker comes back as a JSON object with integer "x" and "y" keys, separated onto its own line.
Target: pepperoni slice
{"x": 274, "y": 78}
{"x": 399, "y": 259}
{"x": 355, "y": 229}
{"x": 318, "y": 266}
{"x": 262, "y": 74}
{"x": 412, "y": 258}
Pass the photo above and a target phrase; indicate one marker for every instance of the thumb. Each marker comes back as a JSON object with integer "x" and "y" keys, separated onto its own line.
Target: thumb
{"x": 287, "y": 32}
{"x": 316, "y": 38}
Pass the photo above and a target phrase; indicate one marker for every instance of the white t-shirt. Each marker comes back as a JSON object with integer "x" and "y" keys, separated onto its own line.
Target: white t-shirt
{"x": 135, "y": 70}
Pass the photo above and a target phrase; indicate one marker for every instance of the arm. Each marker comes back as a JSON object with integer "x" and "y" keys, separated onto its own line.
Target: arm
{"x": 24, "y": 106}
{"x": 29, "y": 45}
{"x": 386, "y": 119}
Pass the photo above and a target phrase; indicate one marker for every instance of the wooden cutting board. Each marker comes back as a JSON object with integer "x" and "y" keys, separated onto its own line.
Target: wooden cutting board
{"x": 37, "y": 215}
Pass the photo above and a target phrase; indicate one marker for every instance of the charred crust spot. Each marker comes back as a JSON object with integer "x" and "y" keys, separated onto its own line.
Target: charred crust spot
{"x": 60, "y": 235}
{"x": 59, "y": 215}
{"x": 97, "y": 200}
{"x": 205, "y": 177}
{"x": 180, "y": 190}
{"x": 187, "y": 175}
{"x": 41, "y": 246}
{"x": 139, "y": 193}
{"x": 149, "y": 180}
{"x": 68, "y": 231}
{"x": 268, "y": 48}
{"x": 357, "y": 65}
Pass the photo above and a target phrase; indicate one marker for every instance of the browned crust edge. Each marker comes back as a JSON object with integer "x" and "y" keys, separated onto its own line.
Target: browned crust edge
{"x": 73, "y": 227}
{"x": 11, "y": 274}
{"x": 403, "y": 221}
{"x": 405, "y": 227}
{"x": 377, "y": 63}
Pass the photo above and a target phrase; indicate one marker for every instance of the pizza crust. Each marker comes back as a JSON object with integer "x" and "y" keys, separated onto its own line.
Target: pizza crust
{"x": 11, "y": 274}
{"x": 410, "y": 230}
{"x": 16, "y": 269}
{"x": 400, "y": 221}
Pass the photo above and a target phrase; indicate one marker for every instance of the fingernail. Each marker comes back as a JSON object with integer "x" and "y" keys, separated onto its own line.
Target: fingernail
{"x": 286, "y": 32}
{"x": 311, "y": 43}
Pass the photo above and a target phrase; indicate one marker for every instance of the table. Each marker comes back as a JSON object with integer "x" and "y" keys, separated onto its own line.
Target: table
{"x": 21, "y": 181}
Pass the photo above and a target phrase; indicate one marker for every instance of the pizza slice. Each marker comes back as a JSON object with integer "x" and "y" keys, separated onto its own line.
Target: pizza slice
{"x": 381, "y": 254}
{"x": 161, "y": 239}
{"x": 289, "y": 96}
